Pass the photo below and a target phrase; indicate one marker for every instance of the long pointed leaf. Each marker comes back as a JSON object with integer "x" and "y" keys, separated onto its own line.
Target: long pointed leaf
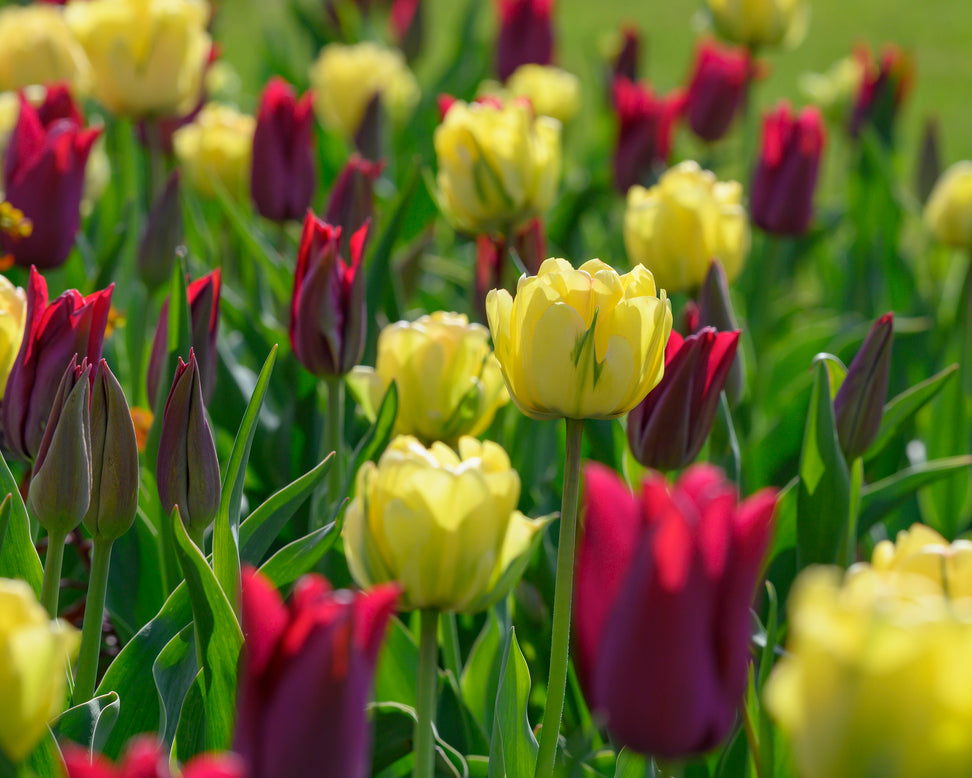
{"x": 513, "y": 748}
{"x": 299, "y": 556}
{"x": 18, "y": 557}
{"x": 89, "y": 723}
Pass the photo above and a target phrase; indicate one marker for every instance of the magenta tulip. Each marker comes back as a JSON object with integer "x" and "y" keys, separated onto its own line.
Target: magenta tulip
{"x": 717, "y": 89}
{"x": 525, "y": 35}
{"x": 352, "y": 199}
{"x": 145, "y": 757}
{"x": 646, "y": 126}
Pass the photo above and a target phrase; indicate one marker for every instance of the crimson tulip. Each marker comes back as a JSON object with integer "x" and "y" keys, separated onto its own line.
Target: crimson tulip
{"x": 146, "y": 758}
{"x": 625, "y": 62}
{"x": 525, "y": 35}
{"x": 717, "y": 89}
{"x": 646, "y": 125}
{"x": 352, "y": 200}
{"x": 883, "y": 89}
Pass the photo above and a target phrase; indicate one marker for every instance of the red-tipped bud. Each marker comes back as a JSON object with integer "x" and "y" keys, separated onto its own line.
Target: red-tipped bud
{"x": 883, "y": 89}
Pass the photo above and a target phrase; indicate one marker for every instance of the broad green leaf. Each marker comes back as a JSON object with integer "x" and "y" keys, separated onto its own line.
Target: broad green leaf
{"x": 397, "y": 670}
{"x": 513, "y": 748}
{"x": 630, "y": 765}
{"x": 174, "y": 670}
{"x": 135, "y": 591}
{"x": 785, "y": 523}
{"x": 18, "y": 557}
{"x": 89, "y": 723}
{"x": 191, "y": 733}
{"x": 299, "y": 556}
{"x": 480, "y": 676}
{"x": 45, "y": 761}
{"x": 836, "y": 370}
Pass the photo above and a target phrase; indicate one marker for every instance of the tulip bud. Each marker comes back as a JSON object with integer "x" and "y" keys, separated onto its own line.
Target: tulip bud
{"x": 525, "y": 35}
{"x": 717, "y": 89}
{"x": 114, "y": 459}
{"x": 948, "y": 212}
{"x": 859, "y": 403}
{"x": 929, "y": 164}
{"x": 625, "y": 61}
{"x": 786, "y": 174}
{"x": 283, "y": 173}
{"x": 60, "y": 486}
{"x": 715, "y": 310}
{"x": 351, "y": 202}
{"x": 668, "y": 428}
{"x": 161, "y": 235}
{"x": 188, "y": 470}
{"x": 327, "y": 310}
{"x": 883, "y": 89}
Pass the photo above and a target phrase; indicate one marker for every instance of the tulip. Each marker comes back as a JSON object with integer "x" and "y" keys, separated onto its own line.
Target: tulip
{"x": 161, "y": 235}
{"x": 525, "y": 35}
{"x": 835, "y": 90}
{"x": 36, "y": 47}
{"x": 203, "y": 295}
{"x": 667, "y": 430}
{"x": 405, "y": 20}
{"x": 663, "y": 587}
{"x": 755, "y": 23}
{"x": 305, "y": 678}
{"x": 43, "y": 176}
{"x": 498, "y": 165}
{"x": 351, "y": 202}
{"x": 327, "y": 309}
{"x": 679, "y": 225}
{"x": 13, "y": 318}
{"x": 449, "y": 383}
{"x": 717, "y": 90}
{"x": 922, "y": 551}
{"x": 859, "y": 403}
{"x": 948, "y": 212}
{"x": 57, "y": 103}
{"x": 187, "y": 469}
{"x": 625, "y": 61}
{"x": 216, "y": 146}
{"x": 646, "y": 124}
{"x": 145, "y": 757}
{"x": 283, "y": 173}
{"x": 551, "y": 91}
{"x": 928, "y": 168}
{"x": 34, "y": 652}
{"x": 148, "y": 56}
{"x": 70, "y": 325}
{"x": 883, "y": 89}
{"x": 580, "y": 344}
{"x": 786, "y": 173}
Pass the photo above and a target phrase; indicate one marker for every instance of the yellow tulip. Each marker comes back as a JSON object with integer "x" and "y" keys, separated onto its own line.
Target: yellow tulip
{"x": 498, "y": 165}
{"x": 217, "y": 145}
{"x": 34, "y": 654}
{"x": 948, "y": 212}
{"x": 13, "y": 317}
{"x": 683, "y": 222}
{"x": 552, "y": 91}
{"x": 444, "y": 525}
{"x": 755, "y": 23}
{"x": 345, "y": 79}
{"x": 36, "y": 47}
{"x": 835, "y": 90}
{"x": 580, "y": 344}
{"x": 148, "y": 56}
{"x": 876, "y": 678}
{"x": 449, "y": 383}
{"x": 922, "y": 551}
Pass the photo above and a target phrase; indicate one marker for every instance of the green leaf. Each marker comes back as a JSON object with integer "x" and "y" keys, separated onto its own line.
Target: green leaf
{"x": 299, "y": 556}
{"x": 480, "y": 677}
{"x": 513, "y": 748}
{"x": 18, "y": 557}
{"x": 395, "y": 726}
{"x": 376, "y": 438}
{"x": 4, "y": 519}
{"x": 175, "y": 669}
{"x": 836, "y": 370}
{"x": 89, "y": 723}
{"x": 823, "y": 499}
{"x": 226, "y": 532}
{"x": 45, "y": 760}
{"x": 630, "y": 765}
{"x": 397, "y": 670}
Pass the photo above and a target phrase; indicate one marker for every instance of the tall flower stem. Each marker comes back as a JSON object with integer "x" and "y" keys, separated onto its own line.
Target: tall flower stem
{"x": 87, "y": 675}
{"x": 334, "y": 434}
{"x": 426, "y": 694}
{"x": 50, "y": 589}
{"x": 563, "y": 592}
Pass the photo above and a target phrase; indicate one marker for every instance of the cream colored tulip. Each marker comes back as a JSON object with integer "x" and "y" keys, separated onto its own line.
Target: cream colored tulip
{"x": 755, "y": 23}
{"x": 217, "y": 146}
{"x": 13, "y": 317}
{"x": 948, "y": 212}
{"x": 552, "y": 91}
{"x": 37, "y": 47}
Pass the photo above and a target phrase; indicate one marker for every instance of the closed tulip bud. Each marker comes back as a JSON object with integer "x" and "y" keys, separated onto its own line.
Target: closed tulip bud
{"x": 44, "y": 176}
{"x": 203, "y": 296}
{"x": 498, "y": 165}
{"x": 663, "y": 587}
{"x": 449, "y": 383}
{"x": 60, "y": 484}
{"x": 551, "y": 91}
{"x": 678, "y": 226}
{"x": 625, "y": 60}
{"x": 161, "y": 236}
{"x": 922, "y": 551}
{"x": 525, "y": 34}
{"x": 646, "y": 125}
{"x": 948, "y": 212}
{"x": 35, "y": 651}
{"x": 306, "y": 676}
{"x": 13, "y": 318}
{"x": 580, "y": 344}
{"x": 145, "y": 757}
{"x": 114, "y": 459}
{"x": 54, "y": 332}
{"x": 883, "y": 88}
{"x": 216, "y": 146}
{"x": 36, "y": 47}
{"x": 187, "y": 469}
{"x": 715, "y": 310}
{"x": 148, "y": 56}
{"x": 666, "y": 431}
{"x": 859, "y": 403}
{"x": 760, "y": 23}
{"x": 928, "y": 166}
{"x": 717, "y": 89}
{"x": 441, "y": 524}
{"x": 351, "y": 202}
{"x": 327, "y": 309}
{"x": 283, "y": 174}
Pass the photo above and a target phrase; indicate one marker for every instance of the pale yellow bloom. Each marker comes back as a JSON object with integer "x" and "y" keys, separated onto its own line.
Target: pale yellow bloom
{"x": 835, "y": 90}
{"x": 756, "y": 23}
{"x": 948, "y": 212}
{"x": 34, "y": 656}
{"x": 922, "y": 551}
{"x": 13, "y": 318}
{"x": 682, "y": 223}
{"x": 346, "y": 78}
{"x": 449, "y": 383}
{"x": 36, "y": 47}
{"x": 148, "y": 55}
{"x": 582, "y": 343}
{"x": 444, "y": 525}
{"x": 552, "y": 91}
{"x": 217, "y": 146}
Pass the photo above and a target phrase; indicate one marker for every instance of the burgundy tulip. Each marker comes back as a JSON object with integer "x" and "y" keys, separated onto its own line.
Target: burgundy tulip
{"x": 525, "y": 35}
{"x": 352, "y": 200}
{"x": 58, "y": 104}
{"x": 283, "y": 172}
{"x": 407, "y": 26}
{"x": 717, "y": 89}
{"x": 305, "y": 677}
{"x": 781, "y": 200}
{"x": 715, "y": 310}
{"x": 43, "y": 176}
{"x": 646, "y": 125}
{"x": 53, "y": 333}
{"x": 662, "y": 590}
{"x": 203, "y": 296}
{"x": 530, "y": 244}
{"x": 327, "y": 310}
{"x": 626, "y": 61}
{"x": 146, "y": 758}
{"x": 883, "y": 89}
{"x": 161, "y": 235}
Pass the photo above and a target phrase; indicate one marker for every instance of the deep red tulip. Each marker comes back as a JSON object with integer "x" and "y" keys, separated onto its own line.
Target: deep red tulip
{"x": 662, "y": 590}
{"x": 327, "y": 310}
{"x": 306, "y": 676}
{"x": 59, "y": 104}
{"x": 646, "y": 125}
{"x": 530, "y": 244}
{"x": 145, "y": 758}
{"x": 352, "y": 200}
{"x": 525, "y": 35}
{"x": 43, "y": 176}
{"x": 883, "y": 89}
{"x": 53, "y": 333}
{"x": 407, "y": 26}
{"x": 283, "y": 172}
{"x": 717, "y": 89}
{"x": 626, "y": 61}
{"x": 781, "y": 199}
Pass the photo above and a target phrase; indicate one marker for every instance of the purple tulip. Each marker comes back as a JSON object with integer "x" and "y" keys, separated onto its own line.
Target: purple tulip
{"x": 646, "y": 126}
{"x": 351, "y": 202}
{"x": 625, "y": 63}
{"x": 525, "y": 35}
{"x": 717, "y": 89}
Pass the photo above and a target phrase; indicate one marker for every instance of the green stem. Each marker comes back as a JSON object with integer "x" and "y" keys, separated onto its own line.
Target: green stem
{"x": 335, "y": 435}
{"x": 198, "y": 536}
{"x": 557, "y": 680}
{"x": 51, "y": 587}
{"x": 94, "y": 610}
{"x": 451, "y": 654}
{"x": 426, "y": 694}
{"x": 849, "y": 545}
